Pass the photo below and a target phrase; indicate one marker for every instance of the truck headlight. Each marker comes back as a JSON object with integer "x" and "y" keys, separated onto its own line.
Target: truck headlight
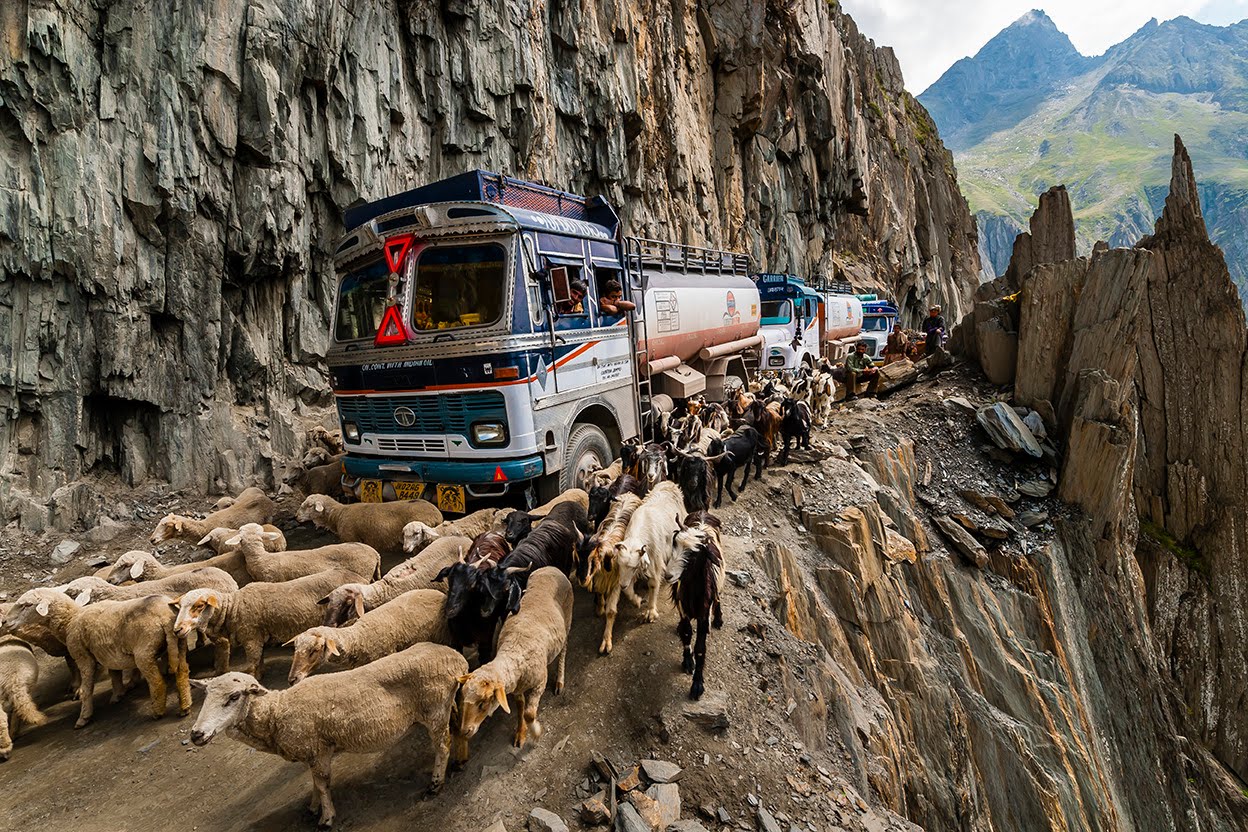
{"x": 351, "y": 432}
{"x": 489, "y": 433}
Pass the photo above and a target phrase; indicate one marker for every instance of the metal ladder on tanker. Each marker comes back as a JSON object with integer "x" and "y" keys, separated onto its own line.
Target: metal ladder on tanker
{"x": 634, "y": 271}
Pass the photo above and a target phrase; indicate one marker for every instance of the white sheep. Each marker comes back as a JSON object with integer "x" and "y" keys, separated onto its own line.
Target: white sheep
{"x": 218, "y": 539}
{"x": 286, "y": 566}
{"x": 645, "y": 548}
{"x": 417, "y": 535}
{"x": 137, "y": 565}
{"x": 251, "y": 506}
{"x": 89, "y": 588}
{"x": 380, "y": 525}
{"x": 527, "y": 644}
{"x": 415, "y": 616}
{"x": 257, "y": 614}
{"x": 19, "y": 673}
{"x": 364, "y": 710}
{"x": 416, "y": 572}
{"x": 116, "y": 635}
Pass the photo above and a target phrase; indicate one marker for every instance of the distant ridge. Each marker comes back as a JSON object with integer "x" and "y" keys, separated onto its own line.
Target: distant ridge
{"x": 1028, "y": 111}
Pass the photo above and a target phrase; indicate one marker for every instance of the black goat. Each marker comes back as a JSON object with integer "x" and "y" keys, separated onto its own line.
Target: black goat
{"x": 794, "y": 424}
{"x": 600, "y": 496}
{"x": 744, "y": 446}
{"x": 693, "y": 473}
{"x": 695, "y": 571}
{"x": 472, "y": 612}
{"x": 553, "y": 543}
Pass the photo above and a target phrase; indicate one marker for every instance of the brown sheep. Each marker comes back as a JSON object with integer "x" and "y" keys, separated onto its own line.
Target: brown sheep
{"x": 251, "y": 506}
{"x": 257, "y": 614}
{"x": 363, "y": 710}
{"x": 417, "y": 572}
{"x": 286, "y": 566}
{"x": 380, "y": 525}
{"x": 138, "y": 565}
{"x": 19, "y": 673}
{"x": 116, "y": 635}
{"x": 527, "y": 644}
{"x": 415, "y": 616}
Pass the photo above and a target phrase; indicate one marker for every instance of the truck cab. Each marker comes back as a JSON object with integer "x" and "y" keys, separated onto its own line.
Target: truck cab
{"x": 878, "y": 319}
{"x": 790, "y": 314}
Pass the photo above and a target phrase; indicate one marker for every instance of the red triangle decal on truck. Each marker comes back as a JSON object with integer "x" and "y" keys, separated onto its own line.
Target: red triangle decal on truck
{"x": 396, "y": 249}
{"x": 499, "y": 476}
{"x": 392, "y": 332}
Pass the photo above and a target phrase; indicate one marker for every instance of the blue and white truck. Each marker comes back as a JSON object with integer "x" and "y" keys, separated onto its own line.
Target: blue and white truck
{"x": 800, "y": 323}
{"x": 476, "y": 351}
{"x": 878, "y": 319}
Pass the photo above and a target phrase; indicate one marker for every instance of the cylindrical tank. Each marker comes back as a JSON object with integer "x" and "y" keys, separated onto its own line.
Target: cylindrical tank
{"x": 842, "y": 316}
{"x": 688, "y": 312}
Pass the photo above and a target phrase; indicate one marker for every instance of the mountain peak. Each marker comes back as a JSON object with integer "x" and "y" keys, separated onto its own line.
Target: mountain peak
{"x": 1035, "y": 17}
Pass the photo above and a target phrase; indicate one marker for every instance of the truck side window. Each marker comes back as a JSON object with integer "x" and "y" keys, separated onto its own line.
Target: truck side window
{"x": 612, "y": 306}
{"x": 576, "y": 313}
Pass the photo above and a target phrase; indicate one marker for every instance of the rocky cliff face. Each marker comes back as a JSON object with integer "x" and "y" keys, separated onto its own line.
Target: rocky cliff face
{"x": 1104, "y": 347}
{"x": 172, "y": 180}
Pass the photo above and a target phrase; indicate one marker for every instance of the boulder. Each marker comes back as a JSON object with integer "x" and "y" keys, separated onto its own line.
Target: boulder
{"x": 544, "y": 820}
{"x": 962, "y": 541}
{"x": 660, "y": 771}
{"x": 627, "y": 819}
{"x": 64, "y": 552}
{"x": 594, "y": 811}
{"x": 998, "y": 351}
{"x": 1007, "y": 431}
{"x": 896, "y": 375}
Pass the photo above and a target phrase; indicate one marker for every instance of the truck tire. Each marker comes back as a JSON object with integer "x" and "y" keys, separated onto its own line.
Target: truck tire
{"x": 588, "y": 450}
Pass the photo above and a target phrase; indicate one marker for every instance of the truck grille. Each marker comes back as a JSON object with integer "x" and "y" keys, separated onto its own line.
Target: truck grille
{"x": 431, "y": 414}
{"x": 414, "y": 445}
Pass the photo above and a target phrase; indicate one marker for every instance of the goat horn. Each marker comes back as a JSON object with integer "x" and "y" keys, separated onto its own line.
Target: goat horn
{"x": 515, "y": 570}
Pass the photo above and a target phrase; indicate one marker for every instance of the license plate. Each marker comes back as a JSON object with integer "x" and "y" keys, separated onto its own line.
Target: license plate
{"x": 370, "y": 491}
{"x": 451, "y": 498}
{"x": 408, "y": 490}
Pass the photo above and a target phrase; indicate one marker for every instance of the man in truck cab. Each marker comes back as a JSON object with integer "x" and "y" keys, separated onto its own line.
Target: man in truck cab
{"x": 575, "y": 306}
{"x": 859, "y": 367}
{"x": 611, "y": 299}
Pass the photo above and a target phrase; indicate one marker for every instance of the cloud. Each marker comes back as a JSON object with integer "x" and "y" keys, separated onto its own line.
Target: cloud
{"x": 928, "y": 37}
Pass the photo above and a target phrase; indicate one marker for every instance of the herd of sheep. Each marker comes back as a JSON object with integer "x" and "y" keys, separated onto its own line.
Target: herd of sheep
{"x": 496, "y": 584}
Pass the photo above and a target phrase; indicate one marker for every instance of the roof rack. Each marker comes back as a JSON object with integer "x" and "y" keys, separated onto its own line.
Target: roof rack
{"x": 835, "y": 287}
{"x": 486, "y": 186}
{"x": 665, "y": 256}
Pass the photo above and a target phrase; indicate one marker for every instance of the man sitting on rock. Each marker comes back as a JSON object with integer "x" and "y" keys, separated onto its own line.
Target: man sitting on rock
{"x": 895, "y": 349}
{"x": 934, "y": 328}
{"x": 858, "y": 367}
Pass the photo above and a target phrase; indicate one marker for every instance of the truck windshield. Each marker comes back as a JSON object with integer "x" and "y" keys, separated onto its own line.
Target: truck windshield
{"x": 876, "y": 323}
{"x": 361, "y": 300}
{"x": 459, "y": 286}
{"x": 775, "y": 312}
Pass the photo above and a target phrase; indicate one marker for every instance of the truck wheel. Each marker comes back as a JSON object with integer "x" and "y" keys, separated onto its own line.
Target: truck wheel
{"x": 588, "y": 450}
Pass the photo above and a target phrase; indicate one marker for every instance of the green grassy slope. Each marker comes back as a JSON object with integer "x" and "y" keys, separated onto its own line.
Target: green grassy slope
{"x": 1108, "y": 136}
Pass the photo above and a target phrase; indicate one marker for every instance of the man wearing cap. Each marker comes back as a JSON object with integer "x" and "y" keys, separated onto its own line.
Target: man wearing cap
{"x": 934, "y": 327}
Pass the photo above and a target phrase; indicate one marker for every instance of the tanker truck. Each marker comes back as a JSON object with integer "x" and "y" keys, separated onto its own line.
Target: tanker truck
{"x": 800, "y": 323}
{"x": 497, "y": 338}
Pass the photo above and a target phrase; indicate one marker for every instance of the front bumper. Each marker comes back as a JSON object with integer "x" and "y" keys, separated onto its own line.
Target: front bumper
{"x": 444, "y": 471}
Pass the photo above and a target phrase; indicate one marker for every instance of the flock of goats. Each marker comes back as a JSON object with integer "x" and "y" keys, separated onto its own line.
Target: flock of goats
{"x": 497, "y": 580}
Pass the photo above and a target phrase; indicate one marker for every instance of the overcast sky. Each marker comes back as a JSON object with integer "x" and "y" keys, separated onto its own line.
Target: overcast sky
{"x": 929, "y": 36}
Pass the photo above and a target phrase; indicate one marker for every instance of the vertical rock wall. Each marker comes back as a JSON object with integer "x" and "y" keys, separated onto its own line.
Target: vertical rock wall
{"x": 172, "y": 179}
{"x": 1138, "y": 356}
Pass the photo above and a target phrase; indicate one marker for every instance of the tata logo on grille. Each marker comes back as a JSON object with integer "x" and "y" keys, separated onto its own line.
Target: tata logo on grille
{"x": 404, "y": 416}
